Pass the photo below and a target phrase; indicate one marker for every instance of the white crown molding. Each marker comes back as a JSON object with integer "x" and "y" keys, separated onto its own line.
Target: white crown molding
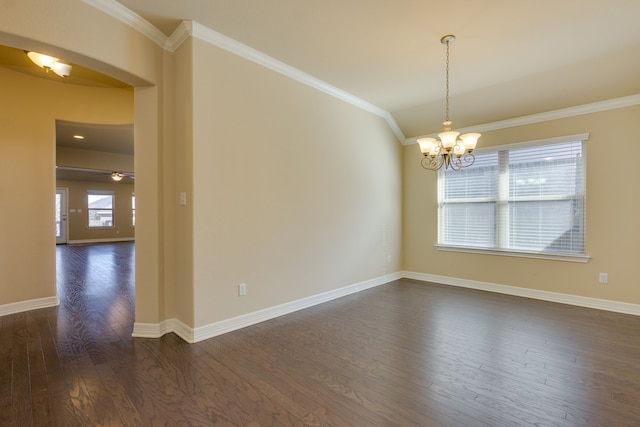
{"x": 594, "y": 107}
{"x": 186, "y": 28}
{"x": 179, "y": 36}
{"x": 127, "y": 16}
{"x": 580, "y": 301}
{"x": 33, "y": 304}
{"x": 391, "y": 122}
{"x": 193, "y": 335}
{"x": 242, "y": 50}
{"x": 192, "y": 28}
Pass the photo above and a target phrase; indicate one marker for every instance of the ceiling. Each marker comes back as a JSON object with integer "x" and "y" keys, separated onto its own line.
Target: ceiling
{"x": 17, "y": 60}
{"x": 510, "y": 58}
{"x": 96, "y": 137}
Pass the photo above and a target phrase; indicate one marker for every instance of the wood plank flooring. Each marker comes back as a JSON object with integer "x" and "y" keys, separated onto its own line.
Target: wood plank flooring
{"x": 404, "y": 354}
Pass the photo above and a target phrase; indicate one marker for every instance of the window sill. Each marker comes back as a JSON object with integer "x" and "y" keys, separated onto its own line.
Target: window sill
{"x": 536, "y": 255}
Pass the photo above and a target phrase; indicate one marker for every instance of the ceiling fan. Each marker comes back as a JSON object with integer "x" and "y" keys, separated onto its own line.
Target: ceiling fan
{"x": 83, "y": 174}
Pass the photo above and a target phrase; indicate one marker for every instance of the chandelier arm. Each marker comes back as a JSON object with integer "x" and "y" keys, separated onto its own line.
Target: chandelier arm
{"x": 432, "y": 163}
{"x": 464, "y": 161}
{"x": 468, "y": 159}
{"x": 456, "y": 163}
{"x": 448, "y": 161}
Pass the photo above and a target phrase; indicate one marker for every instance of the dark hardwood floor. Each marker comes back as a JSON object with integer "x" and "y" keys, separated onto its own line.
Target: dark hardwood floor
{"x": 403, "y": 354}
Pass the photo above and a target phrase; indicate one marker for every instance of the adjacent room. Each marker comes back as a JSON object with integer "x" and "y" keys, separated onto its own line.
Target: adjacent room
{"x": 364, "y": 213}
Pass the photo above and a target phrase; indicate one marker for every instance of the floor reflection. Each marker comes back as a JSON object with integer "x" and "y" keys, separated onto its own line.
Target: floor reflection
{"x": 95, "y": 285}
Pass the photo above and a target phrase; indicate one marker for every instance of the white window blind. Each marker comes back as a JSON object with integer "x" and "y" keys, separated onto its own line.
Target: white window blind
{"x": 520, "y": 198}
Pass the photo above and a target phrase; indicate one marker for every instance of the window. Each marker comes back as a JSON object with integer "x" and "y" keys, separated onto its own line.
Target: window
{"x": 100, "y": 208}
{"x": 522, "y": 198}
{"x": 133, "y": 210}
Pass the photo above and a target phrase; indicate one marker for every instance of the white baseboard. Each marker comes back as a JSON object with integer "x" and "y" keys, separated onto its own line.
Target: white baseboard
{"x": 156, "y": 330}
{"x": 105, "y": 240}
{"x": 193, "y": 335}
{"x": 600, "y": 304}
{"x": 150, "y": 330}
{"x": 33, "y": 304}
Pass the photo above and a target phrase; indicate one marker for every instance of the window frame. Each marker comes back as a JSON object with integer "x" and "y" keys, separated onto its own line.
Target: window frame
{"x": 502, "y": 251}
{"x": 112, "y": 209}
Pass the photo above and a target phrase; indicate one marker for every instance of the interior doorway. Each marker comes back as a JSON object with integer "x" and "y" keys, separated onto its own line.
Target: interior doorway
{"x": 95, "y": 163}
{"x": 81, "y": 105}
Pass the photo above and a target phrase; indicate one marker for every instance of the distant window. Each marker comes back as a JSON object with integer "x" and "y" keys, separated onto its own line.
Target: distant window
{"x": 100, "y": 205}
{"x": 133, "y": 210}
{"x": 527, "y": 198}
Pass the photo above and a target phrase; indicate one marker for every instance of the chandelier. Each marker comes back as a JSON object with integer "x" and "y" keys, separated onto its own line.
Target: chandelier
{"x": 450, "y": 150}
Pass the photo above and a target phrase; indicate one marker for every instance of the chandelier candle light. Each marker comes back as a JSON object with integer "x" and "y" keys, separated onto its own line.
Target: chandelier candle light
{"x": 450, "y": 150}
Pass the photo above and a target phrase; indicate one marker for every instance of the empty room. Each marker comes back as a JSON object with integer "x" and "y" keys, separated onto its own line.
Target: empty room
{"x": 357, "y": 213}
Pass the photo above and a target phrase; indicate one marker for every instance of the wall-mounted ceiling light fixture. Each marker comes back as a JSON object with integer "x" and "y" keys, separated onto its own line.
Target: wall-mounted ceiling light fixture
{"x": 79, "y": 137}
{"x": 50, "y": 63}
{"x": 449, "y": 150}
{"x": 117, "y": 176}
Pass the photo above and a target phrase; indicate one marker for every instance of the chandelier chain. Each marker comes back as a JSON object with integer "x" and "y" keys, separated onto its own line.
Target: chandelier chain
{"x": 446, "y": 113}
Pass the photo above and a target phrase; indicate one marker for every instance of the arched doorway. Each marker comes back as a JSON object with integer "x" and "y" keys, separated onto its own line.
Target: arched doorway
{"x": 29, "y": 130}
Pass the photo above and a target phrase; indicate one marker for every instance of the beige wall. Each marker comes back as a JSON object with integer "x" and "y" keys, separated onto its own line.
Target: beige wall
{"x": 293, "y": 200}
{"x": 613, "y": 203}
{"x": 178, "y": 171}
{"x": 78, "y": 221}
{"x": 289, "y": 190}
{"x": 152, "y": 223}
{"x": 28, "y": 111}
{"x": 294, "y": 192}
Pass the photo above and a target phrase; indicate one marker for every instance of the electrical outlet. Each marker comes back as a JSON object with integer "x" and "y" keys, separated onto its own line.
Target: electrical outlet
{"x": 603, "y": 277}
{"x": 242, "y": 289}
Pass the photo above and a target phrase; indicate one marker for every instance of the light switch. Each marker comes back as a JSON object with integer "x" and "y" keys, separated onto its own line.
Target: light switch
{"x": 183, "y": 198}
